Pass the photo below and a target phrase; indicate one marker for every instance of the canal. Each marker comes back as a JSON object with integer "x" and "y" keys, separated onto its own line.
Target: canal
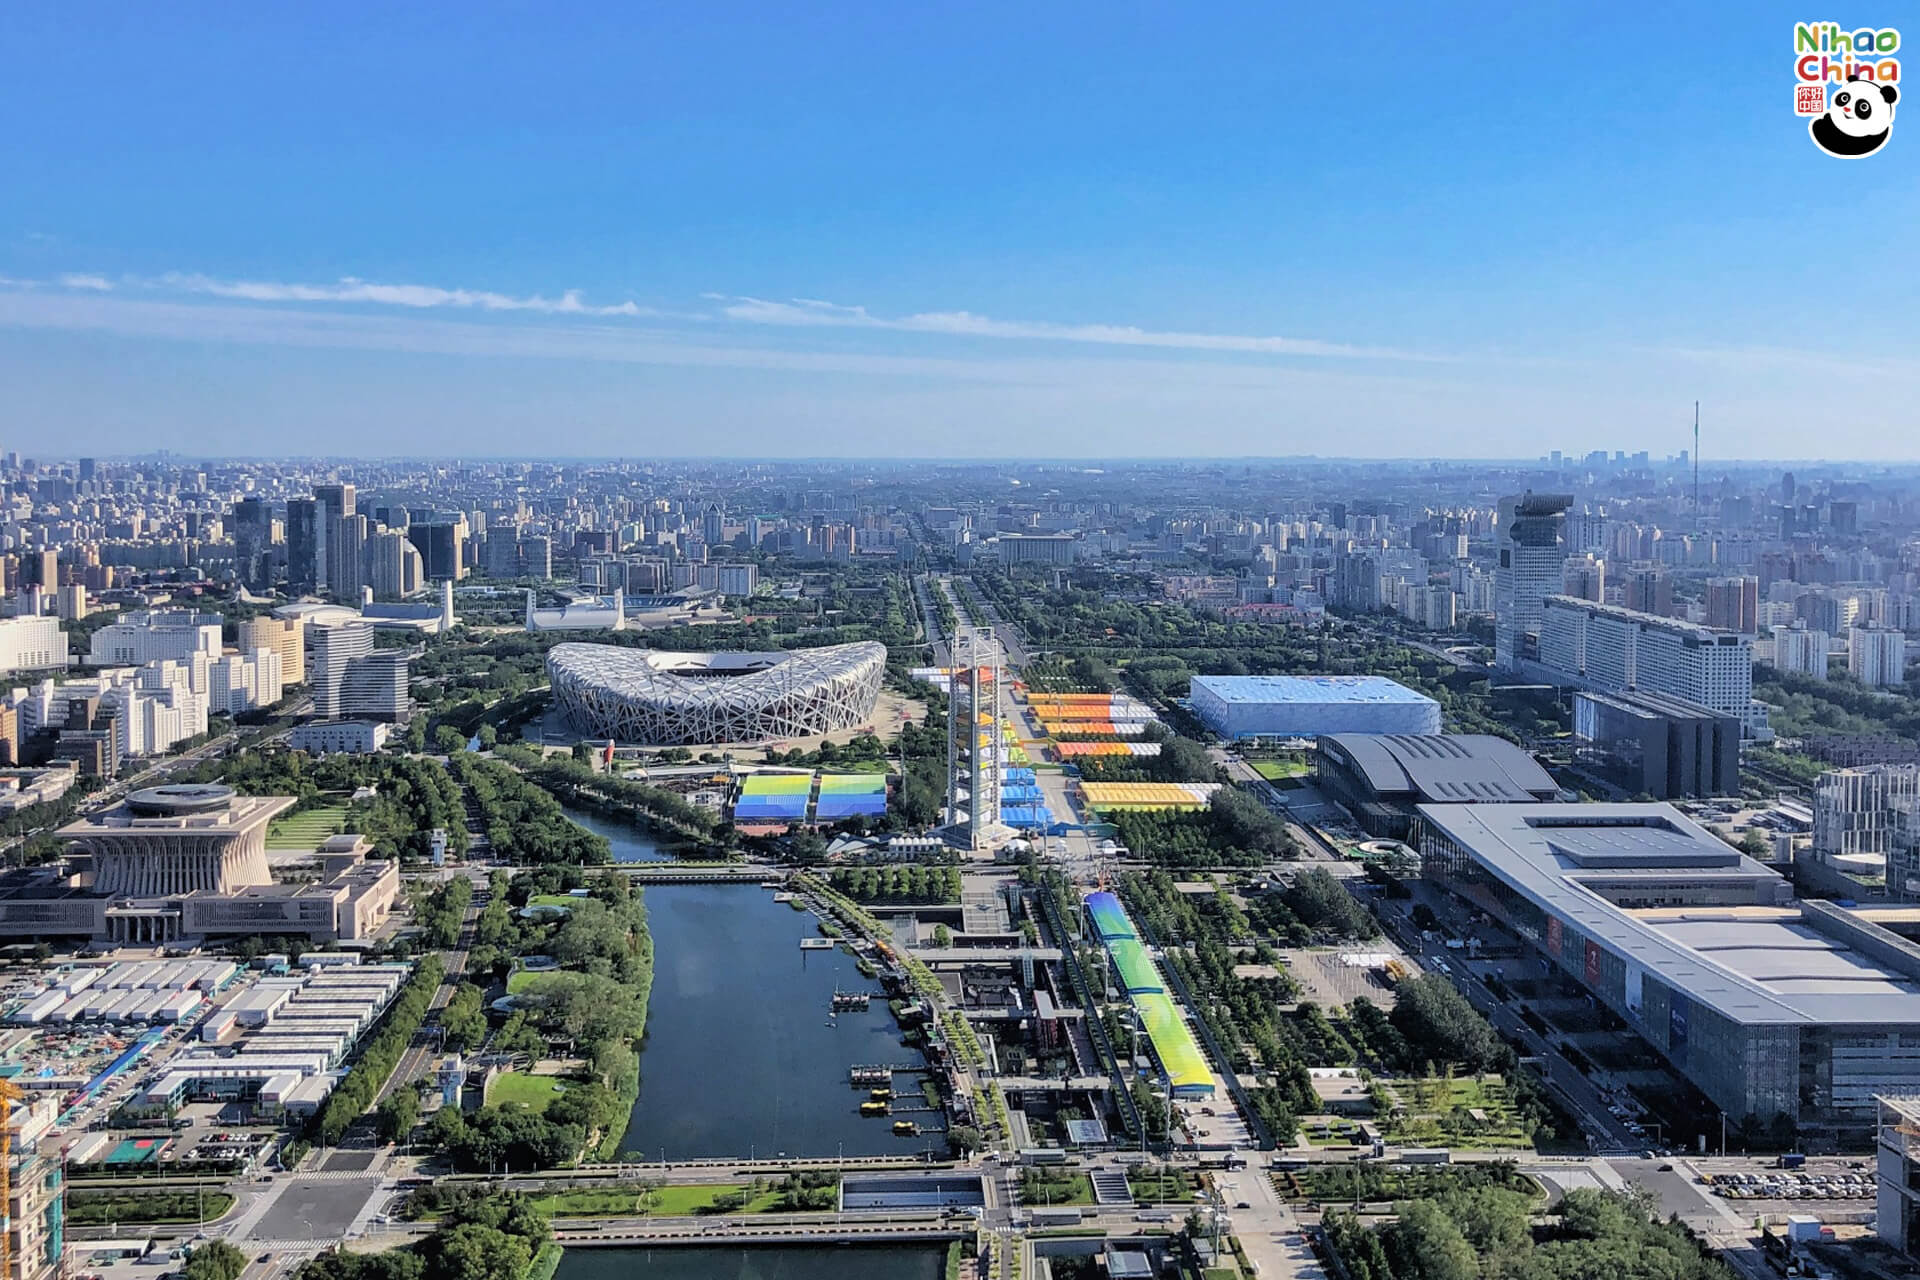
{"x": 878, "y": 1262}
{"x": 630, "y": 843}
{"x": 742, "y": 1056}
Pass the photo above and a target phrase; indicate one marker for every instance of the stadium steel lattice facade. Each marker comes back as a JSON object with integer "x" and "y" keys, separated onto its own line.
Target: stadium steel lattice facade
{"x": 671, "y": 699}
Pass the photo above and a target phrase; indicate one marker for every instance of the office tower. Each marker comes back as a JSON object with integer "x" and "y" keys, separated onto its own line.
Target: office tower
{"x": 536, "y": 557}
{"x": 252, "y": 542}
{"x": 376, "y": 687}
{"x": 713, "y": 525}
{"x": 1877, "y": 656}
{"x": 1733, "y": 604}
{"x": 1615, "y": 650}
{"x": 306, "y": 545}
{"x": 346, "y": 547}
{"x": 1862, "y": 811}
{"x": 392, "y": 566}
{"x": 1586, "y": 579}
{"x": 1844, "y": 517}
{"x": 70, "y": 602}
{"x": 46, "y": 570}
{"x": 351, "y": 679}
{"x": 1528, "y": 570}
{"x": 1801, "y": 650}
{"x": 442, "y": 545}
{"x": 87, "y": 469}
{"x": 330, "y": 653}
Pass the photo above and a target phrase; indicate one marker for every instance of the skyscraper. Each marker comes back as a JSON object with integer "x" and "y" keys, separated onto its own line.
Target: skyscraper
{"x": 1531, "y": 559}
{"x": 252, "y": 542}
{"x": 306, "y": 545}
{"x": 344, "y": 532}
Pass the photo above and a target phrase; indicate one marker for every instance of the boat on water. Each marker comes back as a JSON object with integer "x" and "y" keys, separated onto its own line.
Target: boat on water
{"x": 905, "y": 1128}
{"x": 873, "y": 1108}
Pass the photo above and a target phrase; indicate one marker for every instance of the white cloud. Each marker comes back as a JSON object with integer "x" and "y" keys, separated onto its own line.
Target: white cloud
{"x": 82, "y": 280}
{"x": 418, "y": 296}
{"x": 811, "y": 311}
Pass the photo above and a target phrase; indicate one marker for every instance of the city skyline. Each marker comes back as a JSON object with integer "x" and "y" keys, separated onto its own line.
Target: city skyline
{"x": 925, "y": 236}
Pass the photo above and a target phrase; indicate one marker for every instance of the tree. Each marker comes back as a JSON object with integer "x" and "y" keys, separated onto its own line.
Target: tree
{"x": 1424, "y": 1244}
{"x": 215, "y": 1260}
{"x": 474, "y": 1252}
{"x": 964, "y": 1139}
{"x": 398, "y": 1114}
{"x": 449, "y": 740}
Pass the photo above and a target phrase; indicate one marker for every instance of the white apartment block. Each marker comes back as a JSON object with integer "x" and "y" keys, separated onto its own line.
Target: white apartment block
{"x": 1801, "y": 650}
{"x": 139, "y": 638}
{"x": 238, "y": 682}
{"x": 1615, "y": 650}
{"x": 31, "y": 644}
{"x": 1877, "y": 656}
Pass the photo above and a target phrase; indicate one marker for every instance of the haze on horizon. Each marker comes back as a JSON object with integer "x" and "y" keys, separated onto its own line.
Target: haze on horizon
{"x": 738, "y": 231}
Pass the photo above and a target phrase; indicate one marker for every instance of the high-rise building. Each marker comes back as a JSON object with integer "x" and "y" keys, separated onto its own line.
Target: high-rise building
{"x": 253, "y": 542}
{"x": 46, "y": 570}
{"x": 351, "y": 679}
{"x": 1801, "y": 650}
{"x": 1586, "y": 578}
{"x": 393, "y": 568}
{"x": 285, "y": 636}
{"x": 1877, "y": 656}
{"x": 1647, "y": 589}
{"x": 306, "y": 545}
{"x": 1733, "y": 604}
{"x": 713, "y": 525}
{"x": 330, "y": 652}
{"x": 1531, "y": 559}
{"x": 245, "y": 681}
{"x": 1615, "y": 650}
{"x": 442, "y": 545}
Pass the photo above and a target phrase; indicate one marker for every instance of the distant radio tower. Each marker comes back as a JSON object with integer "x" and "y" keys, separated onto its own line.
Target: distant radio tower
{"x": 1696, "y": 459}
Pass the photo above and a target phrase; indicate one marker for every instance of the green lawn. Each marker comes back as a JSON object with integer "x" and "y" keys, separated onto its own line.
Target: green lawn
{"x": 88, "y": 1208}
{"x": 1275, "y": 770}
{"x": 1167, "y": 1188}
{"x": 554, "y": 900}
{"x": 306, "y": 829}
{"x": 1072, "y": 1189}
{"x": 531, "y": 1091}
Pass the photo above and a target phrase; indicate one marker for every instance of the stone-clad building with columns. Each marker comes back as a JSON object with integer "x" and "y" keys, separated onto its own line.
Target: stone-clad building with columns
{"x": 180, "y": 862}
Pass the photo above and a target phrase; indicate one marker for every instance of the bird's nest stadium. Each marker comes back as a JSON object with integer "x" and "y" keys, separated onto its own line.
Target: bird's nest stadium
{"x": 656, "y": 698}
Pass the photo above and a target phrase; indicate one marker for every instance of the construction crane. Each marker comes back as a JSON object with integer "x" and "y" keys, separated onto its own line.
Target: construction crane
{"x": 11, "y": 1095}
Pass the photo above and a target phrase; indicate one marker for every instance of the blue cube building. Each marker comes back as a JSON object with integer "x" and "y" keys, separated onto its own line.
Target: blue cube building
{"x": 1308, "y": 706}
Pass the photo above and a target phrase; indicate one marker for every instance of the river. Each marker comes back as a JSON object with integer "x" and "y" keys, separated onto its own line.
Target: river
{"x": 630, "y": 843}
{"x": 879, "y": 1262}
{"x": 740, "y": 1057}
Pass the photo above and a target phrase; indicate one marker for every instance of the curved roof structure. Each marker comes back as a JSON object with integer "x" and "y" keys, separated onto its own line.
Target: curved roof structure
{"x": 1466, "y": 768}
{"x": 661, "y": 698}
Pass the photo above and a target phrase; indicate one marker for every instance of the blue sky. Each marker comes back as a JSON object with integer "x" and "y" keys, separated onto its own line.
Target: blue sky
{"x": 994, "y": 229}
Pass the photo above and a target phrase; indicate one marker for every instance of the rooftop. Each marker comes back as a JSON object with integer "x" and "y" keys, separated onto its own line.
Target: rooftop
{"x": 1308, "y": 689}
{"x": 1762, "y": 958}
{"x": 1441, "y": 768}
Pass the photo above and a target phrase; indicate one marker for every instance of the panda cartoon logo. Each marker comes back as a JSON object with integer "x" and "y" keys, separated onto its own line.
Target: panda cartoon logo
{"x": 1858, "y": 121}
